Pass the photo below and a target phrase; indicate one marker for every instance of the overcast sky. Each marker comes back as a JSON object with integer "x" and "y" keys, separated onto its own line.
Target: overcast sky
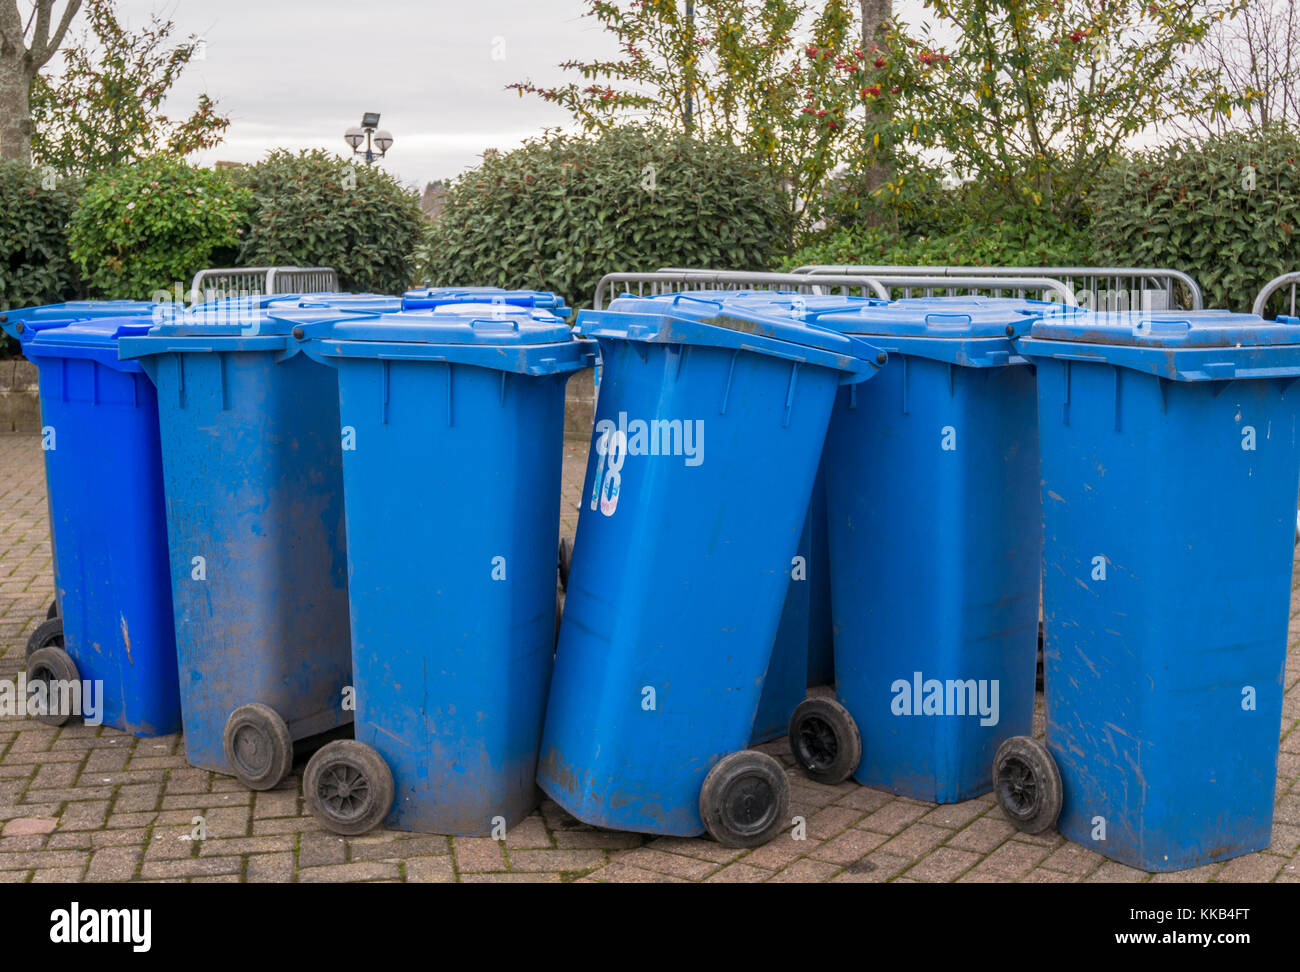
{"x": 297, "y": 74}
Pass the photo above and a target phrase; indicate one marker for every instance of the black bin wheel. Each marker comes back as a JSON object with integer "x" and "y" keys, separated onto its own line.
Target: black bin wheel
{"x": 745, "y": 799}
{"x": 258, "y": 746}
{"x": 48, "y": 634}
{"x": 348, "y": 787}
{"x": 53, "y": 610}
{"x": 51, "y": 665}
{"x": 1027, "y": 784}
{"x": 566, "y": 558}
{"x": 825, "y": 740}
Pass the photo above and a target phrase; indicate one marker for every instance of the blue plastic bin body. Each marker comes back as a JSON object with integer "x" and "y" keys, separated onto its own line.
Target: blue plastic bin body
{"x": 932, "y": 494}
{"x": 709, "y": 425}
{"x": 1169, "y": 479}
{"x": 429, "y": 297}
{"x": 252, "y": 464}
{"x": 103, "y": 474}
{"x": 452, "y": 481}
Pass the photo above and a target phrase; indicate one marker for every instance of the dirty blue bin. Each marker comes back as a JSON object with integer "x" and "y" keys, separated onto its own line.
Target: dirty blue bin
{"x": 99, "y": 416}
{"x": 1169, "y": 477}
{"x": 709, "y": 425}
{"x": 932, "y": 494}
{"x": 453, "y": 423}
{"x": 252, "y": 463}
{"x": 429, "y": 297}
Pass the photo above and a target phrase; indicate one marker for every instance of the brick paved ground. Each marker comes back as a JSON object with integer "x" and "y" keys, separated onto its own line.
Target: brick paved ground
{"x": 94, "y": 804}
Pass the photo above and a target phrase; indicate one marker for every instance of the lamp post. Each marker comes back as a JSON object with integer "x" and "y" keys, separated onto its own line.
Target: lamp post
{"x": 374, "y": 137}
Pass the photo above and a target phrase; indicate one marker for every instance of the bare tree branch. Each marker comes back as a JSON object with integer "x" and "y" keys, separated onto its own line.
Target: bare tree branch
{"x": 43, "y": 45}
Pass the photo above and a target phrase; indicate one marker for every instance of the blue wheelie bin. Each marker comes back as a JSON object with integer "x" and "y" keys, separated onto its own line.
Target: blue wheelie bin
{"x": 932, "y": 494}
{"x": 109, "y": 655}
{"x": 709, "y": 425}
{"x": 1170, "y": 461}
{"x": 252, "y": 468}
{"x": 452, "y": 478}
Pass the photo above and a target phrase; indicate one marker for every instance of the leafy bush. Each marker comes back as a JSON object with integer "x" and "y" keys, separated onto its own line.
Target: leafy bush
{"x": 1005, "y": 243}
{"x": 562, "y": 211}
{"x": 35, "y": 265}
{"x": 1225, "y": 212}
{"x": 145, "y": 227}
{"x": 317, "y": 209}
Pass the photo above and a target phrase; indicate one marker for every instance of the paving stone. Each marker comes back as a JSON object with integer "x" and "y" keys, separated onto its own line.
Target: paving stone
{"x": 944, "y": 864}
{"x": 268, "y": 868}
{"x": 872, "y": 869}
{"x": 805, "y": 871}
{"x": 430, "y": 870}
{"x": 739, "y": 873}
{"x": 475, "y": 854}
{"x": 982, "y": 835}
{"x": 621, "y": 873}
{"x": 690, "y": 868}
{"x": 323, "y": 848}
{"x": 22, "y": 826}
{"x": 556, "y": 860}
{"x": 361, "y": 871}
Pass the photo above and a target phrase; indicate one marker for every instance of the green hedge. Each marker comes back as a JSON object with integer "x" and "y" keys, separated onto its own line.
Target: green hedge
{"x": 148, "y": 226}
{"x": 1226, "y": 211}
{"x": 563, "y": 211}
{"x": 318, "y": 209}
{"x": 1006, "y": 243}
{"x": 35, "y": 263}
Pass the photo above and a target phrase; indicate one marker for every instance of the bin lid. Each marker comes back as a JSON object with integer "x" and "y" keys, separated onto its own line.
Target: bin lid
{"x": 765, "y": 316}
{"x": 27, "y": 322}
{"x": 947, "y": 317}
{"x": 100, "y": 332}
{"x": 375, "y": 302}
{"x": 1171, "y": 329}
{"x": 1211, "y": 345}
{"x": 501, "y": 337}
{"x": 433, "y": 296}
{"x": 448, "y": 324}
{"x": 95, "y": 339}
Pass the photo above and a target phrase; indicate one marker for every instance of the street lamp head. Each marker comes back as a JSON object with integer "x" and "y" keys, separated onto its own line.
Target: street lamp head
{"x": 383, "y": 140}
{"x": 370, "y": 120}
{"x": 354, "y": 137}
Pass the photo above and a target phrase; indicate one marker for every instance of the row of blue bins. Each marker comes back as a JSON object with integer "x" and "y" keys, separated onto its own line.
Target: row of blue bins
{"x": 337, "y": 509}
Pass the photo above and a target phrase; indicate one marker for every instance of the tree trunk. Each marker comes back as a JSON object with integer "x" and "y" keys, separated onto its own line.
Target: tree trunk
{"x": 26, "y": 46}
{"x": 15, "y": 116}
{"x": 875, "y": 13}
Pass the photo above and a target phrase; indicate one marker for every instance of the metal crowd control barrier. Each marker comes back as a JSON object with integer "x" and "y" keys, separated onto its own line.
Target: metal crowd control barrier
{"x": 950, "y": 286}
{"x": 1157, "y": 289}
{"x": 668, "y": 281}
{"x": 1272, "y": 287}
{"x": 252, "y": 281}
{"x": 883, "y": 284}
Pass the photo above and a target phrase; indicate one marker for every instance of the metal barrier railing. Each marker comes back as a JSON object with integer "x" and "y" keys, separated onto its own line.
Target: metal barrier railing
{"x": 251, "y": 281}
{"x": 1104, "y": 288}
{"x": 671, "y": 281}
{"x": 302, "y": 280}
{"x": 880, "y": 285}
{"x": 909, "y": 285}
{"x": 1291, "y": 280}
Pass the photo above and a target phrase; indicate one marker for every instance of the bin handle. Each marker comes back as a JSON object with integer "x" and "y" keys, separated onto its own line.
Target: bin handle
{"x": 495, "y": 323}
